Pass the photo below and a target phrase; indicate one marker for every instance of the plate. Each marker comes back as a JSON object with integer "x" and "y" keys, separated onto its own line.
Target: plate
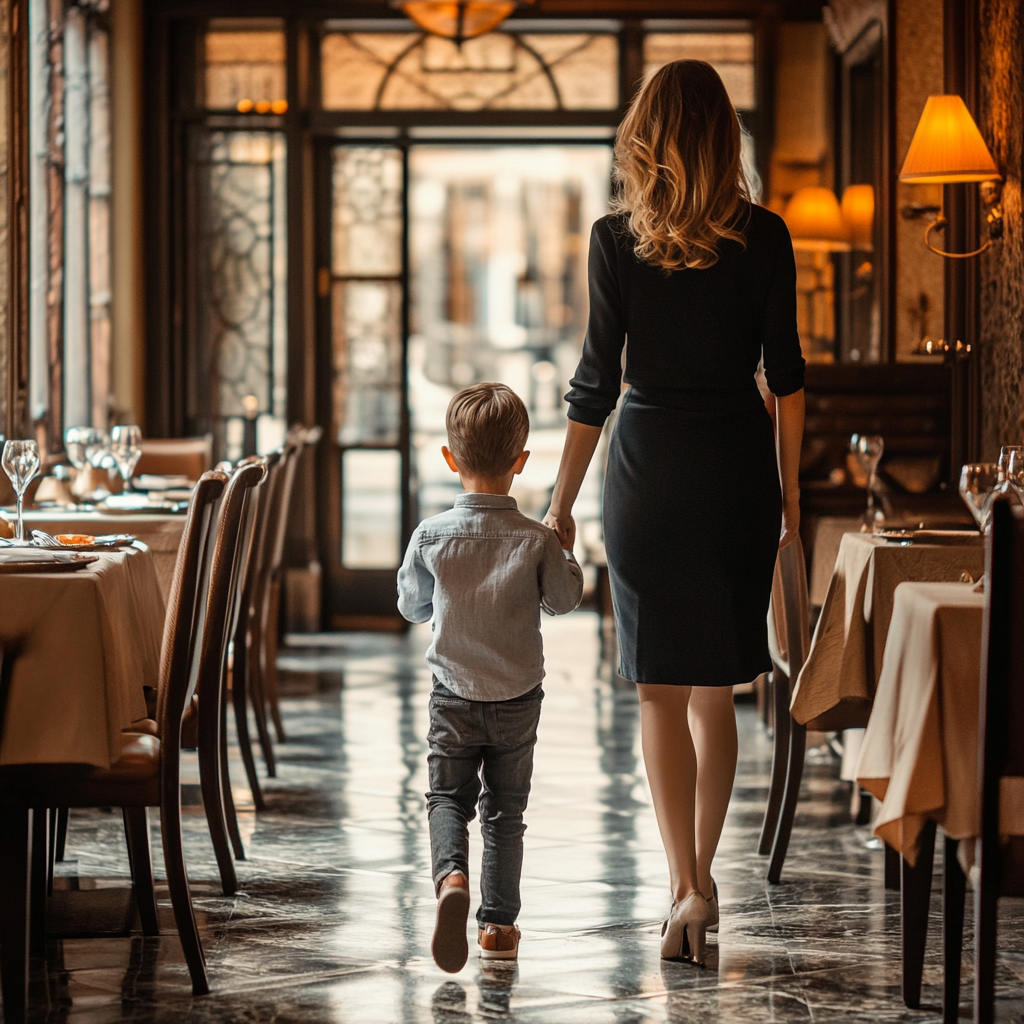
{"x": 70, "y": 565}
{"x": 162, "y": 508}
{"x": 960, "y": 537}
{"x": 107, "y": 542}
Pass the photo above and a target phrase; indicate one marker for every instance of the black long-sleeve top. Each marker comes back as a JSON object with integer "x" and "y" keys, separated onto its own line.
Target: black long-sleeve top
{"x": 695, "y": 336}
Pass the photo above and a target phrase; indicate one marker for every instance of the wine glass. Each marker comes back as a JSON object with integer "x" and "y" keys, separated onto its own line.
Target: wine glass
{"x": 126, "y": 447}
{"x": 979, "y": 482}
{"x": 21, "y": 463}
{"x": 1004, "y": 458}
{"x": 97, "y": 450}
{"x": 868, "y": 448}
{"x": 1015, "y": 470}
{"x": 77, "y": 443}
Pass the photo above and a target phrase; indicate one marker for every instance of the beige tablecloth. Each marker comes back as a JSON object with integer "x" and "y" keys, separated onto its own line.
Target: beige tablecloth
{"x": 920, "y": 750}
{"x": 86, "y": 643}
{"x": 160, "y": 533}
{"x": 827, "y": 538}
{"x": 837, "y": 684}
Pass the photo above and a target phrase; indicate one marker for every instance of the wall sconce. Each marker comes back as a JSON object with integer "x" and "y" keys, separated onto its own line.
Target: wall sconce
{"x": 947, "y": 148}
{"x": 816, "y": 222}
{"x": 458, "y": 20}
{"x": 858, "y": 208}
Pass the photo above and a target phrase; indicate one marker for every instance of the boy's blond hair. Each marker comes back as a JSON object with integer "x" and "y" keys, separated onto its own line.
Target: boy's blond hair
{"x": 487, "y": 428}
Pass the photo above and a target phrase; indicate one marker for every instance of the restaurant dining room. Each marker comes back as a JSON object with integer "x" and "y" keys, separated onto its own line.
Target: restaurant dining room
{"x": 308, "y": 309}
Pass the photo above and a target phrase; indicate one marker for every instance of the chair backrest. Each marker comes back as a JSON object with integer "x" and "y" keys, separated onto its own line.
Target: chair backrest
{"x": 184, "y": 608}
{"x": 174, "y": 456}
{"x": 789, "y": 615}
{"x": 224, "y": 569}
{"x": 293, "y": 448}
{"x": 1001, "y": 722}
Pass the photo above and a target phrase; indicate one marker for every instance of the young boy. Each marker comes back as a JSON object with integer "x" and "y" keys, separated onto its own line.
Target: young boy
{"x": 483, "y": 571}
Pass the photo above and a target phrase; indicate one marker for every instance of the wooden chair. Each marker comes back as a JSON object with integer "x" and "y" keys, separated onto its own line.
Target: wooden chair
{"x": 999, "y": 859}
{"x": 789, "y": 640}
{"x": 176, "y": 456}
{"x": 147, "y": 774}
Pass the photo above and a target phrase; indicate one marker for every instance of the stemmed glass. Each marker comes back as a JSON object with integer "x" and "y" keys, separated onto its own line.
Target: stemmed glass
{"x": 1014, "y": 471}
{"x": 868, "y": 449}
{"x": 979, "y": 483}
{"x": 126, "y": 447}
{"x": 21, "y": 463}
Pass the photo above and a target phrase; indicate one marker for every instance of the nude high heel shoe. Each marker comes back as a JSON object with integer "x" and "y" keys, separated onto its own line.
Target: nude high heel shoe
{"x": 683, "y": 933}
{"x": 713, "y": 908}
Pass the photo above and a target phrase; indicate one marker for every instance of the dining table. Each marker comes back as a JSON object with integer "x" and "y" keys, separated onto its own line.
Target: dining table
{"x": 836, "y": 688}
{"x": 82, "y": 645}
{"x": 160, "y": 531}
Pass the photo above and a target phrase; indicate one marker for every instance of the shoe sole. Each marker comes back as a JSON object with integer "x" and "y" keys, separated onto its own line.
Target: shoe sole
{"x": 449, "y": 946}
{"x": 499, "y": 954}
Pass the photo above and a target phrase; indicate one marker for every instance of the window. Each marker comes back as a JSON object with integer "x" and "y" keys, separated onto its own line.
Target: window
{"x": 730, "y": 53}
{"x": 245, "y": 66}
{"x": 498, "y": 71}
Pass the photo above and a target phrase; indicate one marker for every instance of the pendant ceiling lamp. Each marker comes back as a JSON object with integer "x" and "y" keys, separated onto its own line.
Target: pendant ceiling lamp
{"x": 459, "y": 20}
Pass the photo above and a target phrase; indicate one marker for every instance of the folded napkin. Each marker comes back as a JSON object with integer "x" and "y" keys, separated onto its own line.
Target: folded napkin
{"x": 32, "y": 555}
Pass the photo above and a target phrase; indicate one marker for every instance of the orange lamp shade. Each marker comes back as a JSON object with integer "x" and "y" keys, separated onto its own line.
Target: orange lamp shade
{"x": 947, "y": 146}
{"x": 815, "y": 220}
{"x": 459, "y": 19}
{"x": 858, "y": 208}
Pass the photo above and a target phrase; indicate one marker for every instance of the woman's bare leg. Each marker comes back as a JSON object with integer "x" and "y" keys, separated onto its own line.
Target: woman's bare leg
{"x": 672, "y": 774}
{"x": 712, "y": 718}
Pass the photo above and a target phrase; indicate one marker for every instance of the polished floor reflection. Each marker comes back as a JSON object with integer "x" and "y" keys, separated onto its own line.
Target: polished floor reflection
{"x": 333, "y": 919}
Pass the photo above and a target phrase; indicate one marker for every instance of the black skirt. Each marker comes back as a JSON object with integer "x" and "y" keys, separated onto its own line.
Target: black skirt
{"x": 692, "y": 516}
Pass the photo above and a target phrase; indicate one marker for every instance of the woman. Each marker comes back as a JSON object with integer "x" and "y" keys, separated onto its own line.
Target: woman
{"x": 703, "y": 283}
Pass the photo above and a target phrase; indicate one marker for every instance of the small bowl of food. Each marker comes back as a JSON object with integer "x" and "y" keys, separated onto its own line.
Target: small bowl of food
{"x": 75, "y": 540}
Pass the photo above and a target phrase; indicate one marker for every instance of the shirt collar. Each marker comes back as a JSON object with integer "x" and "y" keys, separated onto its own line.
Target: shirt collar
{"x": 475, "y": 499}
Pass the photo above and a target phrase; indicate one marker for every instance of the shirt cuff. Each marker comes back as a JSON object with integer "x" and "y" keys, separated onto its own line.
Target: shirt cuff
{"x": 589, "y": 417}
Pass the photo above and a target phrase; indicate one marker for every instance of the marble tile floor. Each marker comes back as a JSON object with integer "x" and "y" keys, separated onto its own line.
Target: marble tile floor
{"x": 332, "y": 922}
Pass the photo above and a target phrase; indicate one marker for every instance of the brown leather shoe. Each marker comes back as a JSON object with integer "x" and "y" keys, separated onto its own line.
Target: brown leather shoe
{"x": 449, "y": 947}
{"x": 498, "y": 942}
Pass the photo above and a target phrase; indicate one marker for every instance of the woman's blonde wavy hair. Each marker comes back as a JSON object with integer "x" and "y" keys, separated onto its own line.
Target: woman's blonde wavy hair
{"x": 678, "y": 164}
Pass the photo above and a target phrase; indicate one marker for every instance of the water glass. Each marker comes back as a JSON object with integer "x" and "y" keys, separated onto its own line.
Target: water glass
{"x": 126, "y": 448}
{"x": 79, "y": 442}
{"x": 97, "y": 450}
{"x": 868, "y": 448}
{"x": 1004, "y": 458}
{"x": 1015, "y": 470}
{"x": 21, "y": 463}
{"x": 979, "y": 484}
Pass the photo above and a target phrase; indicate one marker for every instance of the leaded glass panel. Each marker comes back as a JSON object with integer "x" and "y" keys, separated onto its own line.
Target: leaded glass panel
{"x": 367, "y": 235}
{"x": 498, "y": 71}
{"x": 245, "y": 253}
{"x": 245, "y": 66}
{"x": 731, "y": 54}
{"x": 367, "y": 317}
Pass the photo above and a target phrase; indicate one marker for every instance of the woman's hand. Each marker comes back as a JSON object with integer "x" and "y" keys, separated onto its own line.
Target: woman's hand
{"x": 790, "y": 519}
{"x": 564, "y": 527}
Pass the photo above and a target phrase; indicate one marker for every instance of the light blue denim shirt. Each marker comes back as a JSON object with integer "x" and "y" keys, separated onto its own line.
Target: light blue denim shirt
{"x": 482, "y": 572}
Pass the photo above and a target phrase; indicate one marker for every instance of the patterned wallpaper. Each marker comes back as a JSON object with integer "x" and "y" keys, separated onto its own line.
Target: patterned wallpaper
{"x": 1001, "y": 270}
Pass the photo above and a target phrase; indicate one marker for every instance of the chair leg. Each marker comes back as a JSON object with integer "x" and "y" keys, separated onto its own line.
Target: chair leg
{"x": 39, "y": 881}
{"x": 892, "y": 868}
{"x": 239, "y": 697}
{"x": 227, "y": 797}
{"x": 270, "y": 633}
{"x": 915, "y": 897}
{"x": 15, "y": 863}
{"x": 986, "y": 905}
{"x": 61, "y": 838}
{"x": 177, "y": 883}
{"x": 954, "y": 887}
{"x": 794, "y": 774}
{"x": 140, "y": 856}
{"x": 780, "y": 753}
{"x": 258, "y": 700}
{"x": 213, "y": 794}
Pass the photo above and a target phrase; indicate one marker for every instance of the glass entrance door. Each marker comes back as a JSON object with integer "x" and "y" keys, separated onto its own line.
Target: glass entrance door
{"x": 448, "y": 265}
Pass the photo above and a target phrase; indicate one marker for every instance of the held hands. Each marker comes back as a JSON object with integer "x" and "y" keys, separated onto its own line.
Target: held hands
{"x": 790, "y": 519}
{"x": 564, "y": 527}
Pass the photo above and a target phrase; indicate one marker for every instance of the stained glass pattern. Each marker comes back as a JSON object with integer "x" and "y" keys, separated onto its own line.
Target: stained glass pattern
{"x": 367, "y": 233}
{"x": 367, "y": 361}
{"x": 245, "y": 70}
{"x": 498, "y": 71}
{"x": 730, "y": 53}
{"x": 246, "y": 248}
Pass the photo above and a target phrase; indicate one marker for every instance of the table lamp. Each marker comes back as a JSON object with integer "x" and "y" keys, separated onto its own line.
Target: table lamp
{"x": 815, "y": 221}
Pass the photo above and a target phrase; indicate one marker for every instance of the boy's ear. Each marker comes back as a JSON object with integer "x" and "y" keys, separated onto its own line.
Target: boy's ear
{"x": 517, "y": 466}
{"x": 449, "y": 458}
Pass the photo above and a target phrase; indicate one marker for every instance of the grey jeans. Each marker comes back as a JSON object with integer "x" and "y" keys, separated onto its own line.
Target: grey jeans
{"x": 481, "y": 751}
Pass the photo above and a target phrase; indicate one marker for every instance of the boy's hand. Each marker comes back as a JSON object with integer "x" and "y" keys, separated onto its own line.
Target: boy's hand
{"x": 564, "y": 527}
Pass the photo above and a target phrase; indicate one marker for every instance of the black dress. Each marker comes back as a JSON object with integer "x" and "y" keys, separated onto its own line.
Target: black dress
{"x": 692, "y": 500}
